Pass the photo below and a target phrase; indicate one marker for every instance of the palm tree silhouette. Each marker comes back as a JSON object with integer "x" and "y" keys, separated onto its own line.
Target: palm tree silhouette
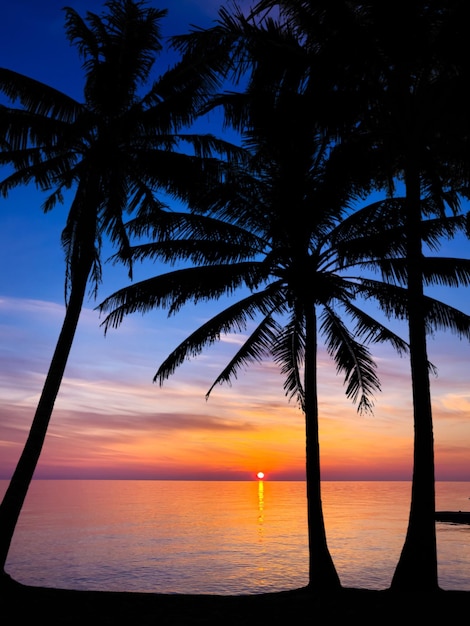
{"x": 114, "y": 151}
{"x": 283, "y": 239}
{"x": 401, "y": 69}
{"x": 418, "y": 136}
{"x": 292, "y": 114}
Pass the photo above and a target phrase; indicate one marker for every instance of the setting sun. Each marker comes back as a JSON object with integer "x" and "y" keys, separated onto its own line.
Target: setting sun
{"x": 260, "y": 475}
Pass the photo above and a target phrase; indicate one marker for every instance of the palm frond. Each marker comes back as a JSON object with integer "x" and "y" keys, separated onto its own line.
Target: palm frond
{"x": 289, "y": 352}
{"x": 232, "y": 319}
{"x": 370, "y": 330}
{"x": 160, "y": 226}
{"x": 392, "y": 299}
{"x": 197, "y": 252}
{"x": 118, "y": 50}
{"x": 351, "y": 358}
{"x": 436, "y": 271}
{"x": 258, "y": 346}
{"x": 172, "y": 290}
{"x": 181, "y": 236}
{"x": 446, "y": 271}
{"x": 441, "y": 316}
{"x": 433, "y": 231}
{"x": 38, "y": 98}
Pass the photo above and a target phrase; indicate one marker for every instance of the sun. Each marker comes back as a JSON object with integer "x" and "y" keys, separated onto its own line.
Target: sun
{"x": 260, "y": 475}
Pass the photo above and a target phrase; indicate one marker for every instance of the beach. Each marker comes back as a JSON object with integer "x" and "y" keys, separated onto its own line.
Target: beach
{"x": 56, "y": 607}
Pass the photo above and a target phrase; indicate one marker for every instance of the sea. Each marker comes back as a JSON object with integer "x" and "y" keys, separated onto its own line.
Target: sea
{"x": 210, "y": 537}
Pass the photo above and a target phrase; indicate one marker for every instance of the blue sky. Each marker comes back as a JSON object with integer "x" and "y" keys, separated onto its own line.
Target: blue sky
{"x": 109, "y": 419}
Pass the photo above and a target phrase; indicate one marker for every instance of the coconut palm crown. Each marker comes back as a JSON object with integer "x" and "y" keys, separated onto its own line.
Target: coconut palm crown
{"x": 287, "y": 229}
{"x": 112, "y": 152}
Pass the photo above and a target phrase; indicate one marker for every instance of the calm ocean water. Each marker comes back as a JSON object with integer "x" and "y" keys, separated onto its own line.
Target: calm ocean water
{"x": 220, "y": 537}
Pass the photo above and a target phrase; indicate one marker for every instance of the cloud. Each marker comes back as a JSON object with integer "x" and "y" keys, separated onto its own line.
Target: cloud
{"x": 109, "y": 418}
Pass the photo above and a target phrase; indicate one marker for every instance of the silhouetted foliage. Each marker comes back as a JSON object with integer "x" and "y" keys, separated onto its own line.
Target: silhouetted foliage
{"x": 115, "y": 150}
{"x": 346, "y": 83}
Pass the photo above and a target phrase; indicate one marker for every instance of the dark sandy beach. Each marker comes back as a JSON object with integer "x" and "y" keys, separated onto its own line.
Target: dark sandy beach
{"x": 54, "y": 607}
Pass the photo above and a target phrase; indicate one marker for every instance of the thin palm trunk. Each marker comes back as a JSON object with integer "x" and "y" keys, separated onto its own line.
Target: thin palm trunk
{"x": 109, "y": 149}
{"x": 15, "y": 495}
{"x": 417, "y": 566}
{"x": 322, "y": 572}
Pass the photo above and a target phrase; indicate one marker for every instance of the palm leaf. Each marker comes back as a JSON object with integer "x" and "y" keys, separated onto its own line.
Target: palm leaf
{"x": 232, "y": 319}
{"x": 371, "y": 330}
{"x": 351, "y": 358}
{"x": 441, "y": 316}
{"x": 258, "y": 345}
{"x": 37, "y": 98}
{"x": 174, "y": 289}
{"x": 289, "y": 352}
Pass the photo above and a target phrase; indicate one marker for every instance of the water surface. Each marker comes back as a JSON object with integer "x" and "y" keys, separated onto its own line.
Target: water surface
{"x": 220, "y": 537}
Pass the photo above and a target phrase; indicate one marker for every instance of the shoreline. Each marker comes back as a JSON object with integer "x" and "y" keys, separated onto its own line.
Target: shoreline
{"x": 54, "y": 607}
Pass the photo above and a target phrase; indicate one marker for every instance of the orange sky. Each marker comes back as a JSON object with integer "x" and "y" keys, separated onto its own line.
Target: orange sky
{"x": 111, "y": 421}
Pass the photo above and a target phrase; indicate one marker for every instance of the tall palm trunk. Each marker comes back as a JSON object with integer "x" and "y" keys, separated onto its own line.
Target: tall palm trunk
{"x": 322, "y": 572}
{"x": 15, "y": 495}
{"x": 417, "y": 566}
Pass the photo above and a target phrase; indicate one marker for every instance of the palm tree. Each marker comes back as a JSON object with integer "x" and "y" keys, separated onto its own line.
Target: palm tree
{"x": 413, "y": 124}
{"x": 401, "y": 69}
{"x": 292, "y": 308}
{"x": 279, "y": 230}
{"x": 343, "y": 96}
{"x": 114, "y": 151}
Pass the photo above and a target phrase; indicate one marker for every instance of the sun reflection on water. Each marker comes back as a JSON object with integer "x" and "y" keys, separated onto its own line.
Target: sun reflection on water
{"x": 260, "y": 509}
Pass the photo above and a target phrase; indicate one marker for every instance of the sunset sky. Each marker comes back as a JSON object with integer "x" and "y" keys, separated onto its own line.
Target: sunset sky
{"x": 110, "y": 420}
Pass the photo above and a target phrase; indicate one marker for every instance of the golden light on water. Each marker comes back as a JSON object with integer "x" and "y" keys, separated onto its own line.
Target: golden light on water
{"x": 260, "y": 508}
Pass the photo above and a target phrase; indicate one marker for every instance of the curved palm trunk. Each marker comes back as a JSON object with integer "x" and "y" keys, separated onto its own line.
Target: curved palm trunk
{"x": 322, "y": 572}
{"x": 15, "y": 495}
{"x": 417, "y": 566}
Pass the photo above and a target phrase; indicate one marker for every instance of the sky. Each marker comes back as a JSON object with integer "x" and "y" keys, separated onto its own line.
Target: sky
{"x": 110, "y": 420}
